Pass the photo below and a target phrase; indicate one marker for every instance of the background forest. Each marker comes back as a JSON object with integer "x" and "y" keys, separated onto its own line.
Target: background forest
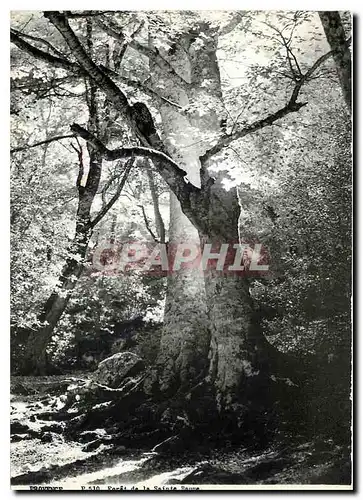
{"x": 253, "y": 109}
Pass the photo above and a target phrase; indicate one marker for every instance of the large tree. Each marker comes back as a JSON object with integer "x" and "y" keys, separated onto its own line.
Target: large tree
{"x": 185, "y": 83}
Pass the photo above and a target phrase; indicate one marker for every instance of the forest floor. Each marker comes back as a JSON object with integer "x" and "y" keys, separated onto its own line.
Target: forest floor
{"x": 42, "y": 455}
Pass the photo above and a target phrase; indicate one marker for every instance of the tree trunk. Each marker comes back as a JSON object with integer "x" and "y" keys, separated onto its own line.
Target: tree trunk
{"x": 190, "y": 330}
{"x": 35, "y": 359}
{"x": 185, "y": 338}
{"x": 334, "y": 31}
{"x": 213, "y": 211}
{"x": 184, "y": 343}
{"x": 241, "y": 359}
{"x": 159, "y": 223}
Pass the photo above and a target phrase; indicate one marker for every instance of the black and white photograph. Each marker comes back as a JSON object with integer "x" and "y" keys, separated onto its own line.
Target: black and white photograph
{"x": 181, "y": 250}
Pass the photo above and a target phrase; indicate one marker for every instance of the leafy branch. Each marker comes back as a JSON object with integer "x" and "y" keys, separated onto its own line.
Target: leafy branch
{"x": 39, "y": 40}
{"x": 291, "y": 107}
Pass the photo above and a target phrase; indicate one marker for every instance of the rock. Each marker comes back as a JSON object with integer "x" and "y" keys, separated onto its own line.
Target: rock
{"x": 171, "y": 445}
{"x": 56, "y": 428}
{"x": 15, "y": 438}
{"x": 112, "y": 371}
{"x": 118, "y": 450}
{"x": 93, "y": 445}
{"x": 18, "y": 428}
{"x": 36, "y": 477}
{"x": 32, "y": 418}
{"x": 47, "y": 437}
{"x": 88, "y": 436}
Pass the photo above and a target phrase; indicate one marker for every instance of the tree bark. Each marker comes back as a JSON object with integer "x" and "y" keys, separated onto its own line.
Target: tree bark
{"x": 334, "y": 31}
{"x": 239, "y": 351}
{"x": 159, "y": 223}
{"x": 182, "y": 357}
{"x": 183, "y": 351}
{"x": 35, "y": 358}
{"x": 232, "y": 350}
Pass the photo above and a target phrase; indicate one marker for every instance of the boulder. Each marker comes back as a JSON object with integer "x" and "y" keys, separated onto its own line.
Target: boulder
{"x": 93, "y": 445}
{"x": 112, "y": 371}
{"x": 56, "y": 428}
{"x": 18, "y": 428}
{"x": 88, "y": 436}
{"x": 15, "y": 438}
{"x": 47, "y": 437}
{"x": 118, "y": 346}
{"x": 173, "y": 444}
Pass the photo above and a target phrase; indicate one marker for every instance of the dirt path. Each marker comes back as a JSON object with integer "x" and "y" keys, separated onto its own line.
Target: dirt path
{"x": 41, "y": 454}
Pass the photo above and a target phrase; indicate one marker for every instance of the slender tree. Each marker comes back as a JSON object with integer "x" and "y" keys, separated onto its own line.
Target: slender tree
{"x": 335, "y": 34}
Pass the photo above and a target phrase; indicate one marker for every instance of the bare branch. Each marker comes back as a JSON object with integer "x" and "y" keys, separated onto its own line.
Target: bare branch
{"x": 289, "y": 53}
{"x": 105, "y": 188}
{"x": 143, "y": 88}
{"x": 138, "y": 85}
{"x": 159, "y": 223}
{"x": 154, "y": 53}
{"x": 112, "y": 91}
{"x": 128, "y": 166}
{"x": 81, "y": 166}
{"x": 258, "y": 125}
{"x": 167, "y": 168}
{"x": 115, "y": 31}
{"x": 61, "y": 23}
{"x": 291, "y": 107}
{"x": 46, "y": 141}
{"x": 86, "y": 66}
{"x": 40, "y": 40}
{"x": 147, "y": 224}
{"x": 41, "y": 54}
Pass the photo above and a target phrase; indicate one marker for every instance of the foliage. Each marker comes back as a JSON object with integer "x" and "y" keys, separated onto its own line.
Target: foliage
{"x": 293, "y": 178}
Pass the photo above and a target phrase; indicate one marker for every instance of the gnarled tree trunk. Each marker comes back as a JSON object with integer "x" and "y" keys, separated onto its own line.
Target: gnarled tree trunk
{"x": 182, "y": 357}
{"x": 239, "y": 352}
{"x": 233, "y": 350}
{"x": 334, "y": 32}
{"x": 212, "y": 211}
